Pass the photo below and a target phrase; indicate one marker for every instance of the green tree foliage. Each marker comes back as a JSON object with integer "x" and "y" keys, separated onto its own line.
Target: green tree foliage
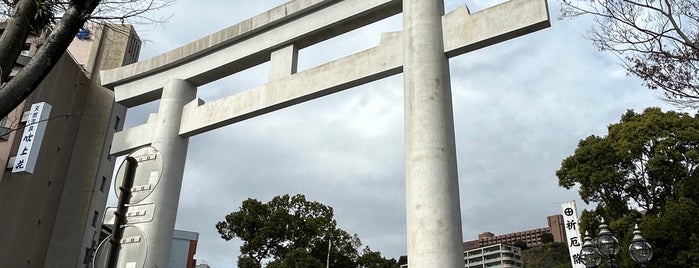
{"x": 297, "y": 258}
{"x": 290, "y": 231}
{"x": 373, "y": 259}
{"x": 647, "y": 162}
{"x": 520, "y": 244}
{"x": 551, "y": 255}
{"x": 547, "y": 238}
{"x": 675, "y": 233}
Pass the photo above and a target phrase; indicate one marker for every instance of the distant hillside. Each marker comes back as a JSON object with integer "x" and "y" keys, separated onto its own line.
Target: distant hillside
{"x": 550, "y": 255}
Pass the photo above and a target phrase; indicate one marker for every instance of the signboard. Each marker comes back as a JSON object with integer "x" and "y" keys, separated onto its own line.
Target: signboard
{"x": 575, "y": 241}
{"x": 30, "y": 144}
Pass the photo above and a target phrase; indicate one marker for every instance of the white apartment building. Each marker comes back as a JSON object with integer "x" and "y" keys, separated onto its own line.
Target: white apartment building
{"x": 499, "y": 255}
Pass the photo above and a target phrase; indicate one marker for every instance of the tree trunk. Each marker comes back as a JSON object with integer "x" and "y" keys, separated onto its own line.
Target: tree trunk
{"x": 15, "y": 35}
{"x": 18, "y": 88}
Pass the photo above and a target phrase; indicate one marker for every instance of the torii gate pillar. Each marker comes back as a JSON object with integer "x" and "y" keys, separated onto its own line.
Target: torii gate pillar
{"x": 432, "y": 187}
{"x": 166, "y": 139}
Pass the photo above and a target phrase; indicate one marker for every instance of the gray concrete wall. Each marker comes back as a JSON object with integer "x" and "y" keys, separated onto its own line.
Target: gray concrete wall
{"x": 84, "y": 195}
{"x": 29, "y": 202}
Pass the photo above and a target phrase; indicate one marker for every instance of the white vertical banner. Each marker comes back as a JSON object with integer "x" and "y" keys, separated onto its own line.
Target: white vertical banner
{"x": 32, "y": 137}
{"x": 575, "y": 241}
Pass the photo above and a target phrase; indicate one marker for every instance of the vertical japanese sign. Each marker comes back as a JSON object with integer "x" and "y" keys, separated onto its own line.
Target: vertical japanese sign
{"x": 570, "y": 224}
{"x": 31, "y": 139}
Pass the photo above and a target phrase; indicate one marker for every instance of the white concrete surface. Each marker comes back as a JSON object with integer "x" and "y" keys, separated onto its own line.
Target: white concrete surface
{"x": 432, "y": 184}
{"x": 203, "y": 63}
{"x": 283, "y": 62}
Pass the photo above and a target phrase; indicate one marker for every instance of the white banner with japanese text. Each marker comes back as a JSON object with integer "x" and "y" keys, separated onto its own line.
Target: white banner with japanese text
{"x": 32, "y": 137}
{"x": 570, "y": 224}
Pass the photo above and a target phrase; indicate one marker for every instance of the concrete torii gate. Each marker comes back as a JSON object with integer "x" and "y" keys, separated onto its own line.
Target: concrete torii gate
{"x": 421, "y": 51}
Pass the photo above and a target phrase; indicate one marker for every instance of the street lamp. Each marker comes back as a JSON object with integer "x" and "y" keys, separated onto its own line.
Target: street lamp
{"x": 588, "y": 252}
{"x": 640, "y": 249}
{"x": 607, "y": 246}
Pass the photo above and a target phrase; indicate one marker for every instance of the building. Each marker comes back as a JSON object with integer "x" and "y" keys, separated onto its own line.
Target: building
{"x": 491, "y": 250}
{"x": 531, "y": 237}
{"x": 184, "y": 246}
{"x": 498, "y": 255}
{"x": 492, "y": 256}
{"x": 52, "y": 214}
{"x": 557, "y": 228}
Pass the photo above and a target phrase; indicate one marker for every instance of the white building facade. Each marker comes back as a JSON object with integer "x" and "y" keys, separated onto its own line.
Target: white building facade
{"x": 499, "y": 255}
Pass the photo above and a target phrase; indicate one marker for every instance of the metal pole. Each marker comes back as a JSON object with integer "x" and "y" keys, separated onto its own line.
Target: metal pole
{"x": 120, "y": 213}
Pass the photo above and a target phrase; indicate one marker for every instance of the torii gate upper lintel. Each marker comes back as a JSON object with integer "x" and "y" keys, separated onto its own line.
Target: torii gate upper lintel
{"x": 421, "y": 51}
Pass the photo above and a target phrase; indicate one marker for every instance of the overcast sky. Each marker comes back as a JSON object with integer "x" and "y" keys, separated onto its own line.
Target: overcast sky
{"x": 520, "y": 107}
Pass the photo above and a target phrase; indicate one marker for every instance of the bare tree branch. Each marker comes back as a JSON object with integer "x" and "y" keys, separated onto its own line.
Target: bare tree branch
{"x": 46, "y": 57}
{"x": 658, "y": 41}
{"x": 24, "y": 16}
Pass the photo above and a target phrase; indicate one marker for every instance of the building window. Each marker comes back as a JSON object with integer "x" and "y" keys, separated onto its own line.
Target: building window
{"x": 103, "y": 184}
{"x": 94, "y": 219}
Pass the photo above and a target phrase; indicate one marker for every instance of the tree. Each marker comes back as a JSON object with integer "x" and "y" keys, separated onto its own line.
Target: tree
{"x": 657, "y": 41}
{"x": 373, "y": 259}
{"x": 640, "y": 172}
{"x": 292, "y": 232}
{"x": 676, "y": 233}
{"x": 550, "y": 255}
{"x": 520, "y": 244}
{"x": 547, "y": 238}
{"x": 59, "y": 21}
{"x": 297, "y": 258}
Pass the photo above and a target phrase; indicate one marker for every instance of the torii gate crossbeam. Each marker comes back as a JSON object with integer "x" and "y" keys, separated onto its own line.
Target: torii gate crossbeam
{"x": 421, "y": 51}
